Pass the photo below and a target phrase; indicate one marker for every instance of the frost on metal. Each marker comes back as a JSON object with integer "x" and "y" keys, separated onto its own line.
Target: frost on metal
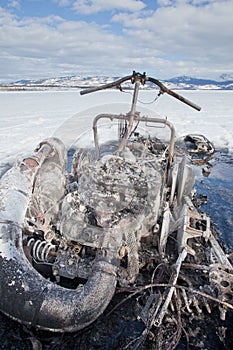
{"x": 68, "y": 239}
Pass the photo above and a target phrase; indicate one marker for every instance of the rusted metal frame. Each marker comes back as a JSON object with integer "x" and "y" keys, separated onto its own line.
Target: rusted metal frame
{"x": 44, "y": 151}
{"x": 137, "y": 118}
{"x": 131, "y": 117}
{"x": 219, "y": 253}
{"x": 173, "y": 280}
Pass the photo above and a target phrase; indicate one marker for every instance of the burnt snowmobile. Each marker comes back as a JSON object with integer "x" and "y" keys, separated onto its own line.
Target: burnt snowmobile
{"x": 68, "y": 237}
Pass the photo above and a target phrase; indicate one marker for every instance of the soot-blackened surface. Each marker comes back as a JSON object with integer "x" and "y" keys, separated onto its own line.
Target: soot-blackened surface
{"x": 121, "y": 328}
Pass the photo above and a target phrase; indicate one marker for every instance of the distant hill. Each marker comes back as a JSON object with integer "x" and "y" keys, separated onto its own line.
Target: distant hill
{"x": 185, "y": 82}
{"x": 76, "y": 81}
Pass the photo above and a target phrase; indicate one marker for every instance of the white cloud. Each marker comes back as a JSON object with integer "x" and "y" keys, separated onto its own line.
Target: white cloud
{"x": 165, "y": 2}
{"x": 203, "y": 35}
{"x": 51, "y": 46}
{"x": 176, "y": 3}
{"x": 168, "y": 41}
{"x": 62, "y": 2}
{"x": 14, "y": 4}
{"x": 93, "y": 6}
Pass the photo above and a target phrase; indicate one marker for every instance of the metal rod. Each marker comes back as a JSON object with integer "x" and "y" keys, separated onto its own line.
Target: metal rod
{"x": 131, "y": 117}
{"x": 173, "y": 281}
{"x": 137, "y": 118}
{"x": 115, "y": 84}
{"x": 142, "y": 78}
{"x": 163, "y": 89}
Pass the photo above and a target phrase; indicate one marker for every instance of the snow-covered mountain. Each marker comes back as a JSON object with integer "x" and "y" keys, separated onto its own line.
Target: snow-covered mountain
{"x": 189, "y": 83}
{"x": 77, "y": 81}
{"x": 226, "y": 76}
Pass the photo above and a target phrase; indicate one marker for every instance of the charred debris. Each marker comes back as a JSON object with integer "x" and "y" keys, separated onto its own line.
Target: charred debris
{"x": 120, "y": 240}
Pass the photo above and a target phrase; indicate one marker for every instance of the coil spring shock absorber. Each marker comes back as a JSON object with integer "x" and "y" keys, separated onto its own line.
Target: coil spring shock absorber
{"x": 42, "y": 251}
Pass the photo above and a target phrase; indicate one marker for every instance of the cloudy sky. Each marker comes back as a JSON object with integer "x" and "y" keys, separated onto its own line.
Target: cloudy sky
{"x": 165, "y": 38}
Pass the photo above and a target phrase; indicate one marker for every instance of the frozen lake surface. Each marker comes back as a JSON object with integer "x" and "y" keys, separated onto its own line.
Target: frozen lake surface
{"x": 29, "y": 116}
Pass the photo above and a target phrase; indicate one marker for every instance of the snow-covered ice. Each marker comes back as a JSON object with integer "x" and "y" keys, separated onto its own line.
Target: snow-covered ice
{"x": 28, "y": 117}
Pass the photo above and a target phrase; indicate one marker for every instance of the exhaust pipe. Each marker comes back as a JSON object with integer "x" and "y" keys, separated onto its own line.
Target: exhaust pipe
{"x": 25, "y": 295}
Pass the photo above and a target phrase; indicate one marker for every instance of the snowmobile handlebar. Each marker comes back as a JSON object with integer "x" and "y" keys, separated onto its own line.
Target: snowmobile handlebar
{"x": 116, "y": 84}
{"x": 143, "y": 79}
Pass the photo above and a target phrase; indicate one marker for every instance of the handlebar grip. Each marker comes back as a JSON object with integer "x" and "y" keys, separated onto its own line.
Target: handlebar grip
{"x": 90, "y": 90}
{"x": 163, "y": 88}
{"x": 106, "y": 86}
{"x": 183, "y": 99}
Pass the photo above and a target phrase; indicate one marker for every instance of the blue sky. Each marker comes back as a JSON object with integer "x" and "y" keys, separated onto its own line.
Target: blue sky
{"x": 91, "y": 11}
{"x": 165, "y": 38}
